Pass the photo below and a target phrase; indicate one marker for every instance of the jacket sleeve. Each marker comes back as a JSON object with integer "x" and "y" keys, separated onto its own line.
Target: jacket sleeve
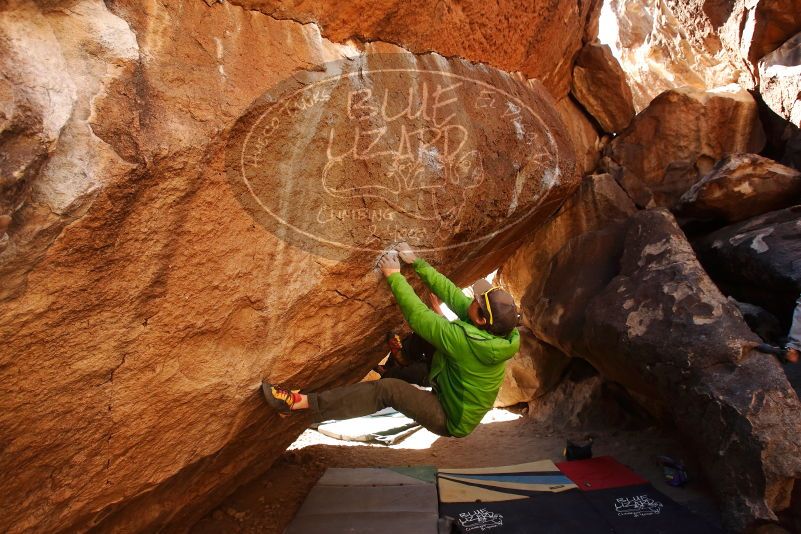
{"x": 431, "y": 326}
{"x": 446, "y": 290}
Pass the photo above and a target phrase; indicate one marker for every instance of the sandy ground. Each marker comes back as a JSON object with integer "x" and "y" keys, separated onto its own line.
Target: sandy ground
{"x": 269, "y": 503}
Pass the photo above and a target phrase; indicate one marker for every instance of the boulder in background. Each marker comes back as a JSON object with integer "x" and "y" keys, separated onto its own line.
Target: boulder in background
{"x": 758, "y": 260}
{"x": 739, "y": 187}
{"x": 600, "y": 85}
{"x": 679, "y": 138}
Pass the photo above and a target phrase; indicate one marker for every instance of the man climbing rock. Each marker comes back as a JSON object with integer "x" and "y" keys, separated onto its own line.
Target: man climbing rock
{"x": 466, "y": 369}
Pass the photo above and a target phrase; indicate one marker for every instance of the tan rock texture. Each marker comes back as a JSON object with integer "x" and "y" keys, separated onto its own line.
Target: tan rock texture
{"x": 780, "y": 77}
{"x": 143, "y": 298}
{"x": 600, "y": 85}
{"x": 539, "y": 38}
{"x": 533, "y": 372}
{"x": 679, "y": 138}
{"x": 698, "y": 43}
{"x": 586, "y": 143}
{"x": 740, "y": 186}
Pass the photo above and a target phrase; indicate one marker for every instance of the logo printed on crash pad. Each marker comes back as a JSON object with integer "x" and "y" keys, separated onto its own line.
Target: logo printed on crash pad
{"x": 639, "y": 506}
{"x": 480, "y": 520}
{"x": 359, "y": 154}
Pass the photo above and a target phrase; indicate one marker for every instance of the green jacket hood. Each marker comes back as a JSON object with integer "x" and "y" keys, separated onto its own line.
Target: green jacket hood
{"x": 489, "y": 348}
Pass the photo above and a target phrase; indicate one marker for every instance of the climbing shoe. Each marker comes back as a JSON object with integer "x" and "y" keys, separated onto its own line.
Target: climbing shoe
{"x": 279, "y": 398}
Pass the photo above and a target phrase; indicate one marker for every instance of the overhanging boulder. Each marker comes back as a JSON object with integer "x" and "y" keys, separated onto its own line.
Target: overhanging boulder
{"x": 137, "y": 326}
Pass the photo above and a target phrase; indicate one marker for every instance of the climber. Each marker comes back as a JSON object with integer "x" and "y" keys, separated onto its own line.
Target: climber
{"x": 792, "y": 348}
{"x": 410, "y": 357}
{"x": 467, "y": 366}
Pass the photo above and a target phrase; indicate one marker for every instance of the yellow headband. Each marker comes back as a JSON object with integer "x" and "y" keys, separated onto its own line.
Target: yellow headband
{"x": 486, "y": 301}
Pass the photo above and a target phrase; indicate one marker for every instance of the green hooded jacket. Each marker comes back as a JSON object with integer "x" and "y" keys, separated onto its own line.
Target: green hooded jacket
{"x": 469, "y": 363}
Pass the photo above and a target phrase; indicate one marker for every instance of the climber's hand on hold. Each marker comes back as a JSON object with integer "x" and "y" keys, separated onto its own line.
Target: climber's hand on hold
{"x": 405, "y": 252}
{"x": 389, "y": 263}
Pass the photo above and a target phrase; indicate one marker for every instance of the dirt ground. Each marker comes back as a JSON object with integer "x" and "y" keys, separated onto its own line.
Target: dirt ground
{"x": 268, "y": 504}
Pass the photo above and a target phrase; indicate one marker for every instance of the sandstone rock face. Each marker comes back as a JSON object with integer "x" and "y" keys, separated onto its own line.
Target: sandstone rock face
{"x": 144, "y": 294}
{"x": 598, "y": 202}
{"x": 739, "y": 187}
{"x": 585, "y": 401}
{"x": 679, "y": 138}
{"x": 538, "y": 38}
{"x": 666, "y": 325}
{"x": 699, "y": 43}
{"x": 667, "y": 45}
{"x": 780, "y": 80}
{"x": 46, "y": 119}
{"x": 758, "y": 260}
{"x": 600, "y": 85}
{"x": 533, "y": 372}
{"x": 583, "y": 134}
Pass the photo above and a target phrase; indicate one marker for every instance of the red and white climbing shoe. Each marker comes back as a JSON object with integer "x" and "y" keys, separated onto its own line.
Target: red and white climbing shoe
{"x": 279, "y": 398}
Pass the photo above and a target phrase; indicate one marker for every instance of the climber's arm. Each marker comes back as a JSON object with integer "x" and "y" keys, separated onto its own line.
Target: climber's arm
{"x": 429, "y": 325}
{"x": 446, "y": 290}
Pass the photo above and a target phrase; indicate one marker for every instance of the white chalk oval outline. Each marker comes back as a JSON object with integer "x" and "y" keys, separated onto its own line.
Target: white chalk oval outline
{"x": 553, "y": 173}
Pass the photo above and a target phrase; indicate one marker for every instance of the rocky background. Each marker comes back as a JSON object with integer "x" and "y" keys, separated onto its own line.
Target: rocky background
{"x": 140, "y": 305}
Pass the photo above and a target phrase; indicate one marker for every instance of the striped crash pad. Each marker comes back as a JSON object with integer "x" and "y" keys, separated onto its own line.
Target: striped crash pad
{"x": 599, "y": 495}
{"x": 385, "y": 427}
{"x": 370, "y": 500}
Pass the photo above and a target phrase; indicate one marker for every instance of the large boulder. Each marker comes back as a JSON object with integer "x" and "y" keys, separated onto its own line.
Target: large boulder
{"x": 679, "y": 138}
{"x": 146, "y": 290}
{"x": 700, "y": 43}
{"x": 539, "y": 38}
{"x": 663, "y": 330}
{"x": 758, "y": 260}
{"x": 600, "y": 85}
{"x": 739, "y": 187}
{"x": 535, "y": 370}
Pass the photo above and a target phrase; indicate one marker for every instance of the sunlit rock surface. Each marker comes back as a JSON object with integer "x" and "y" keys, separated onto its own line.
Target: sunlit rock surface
{"x": 679, "y": 138}
{"x": 145, "y": 294}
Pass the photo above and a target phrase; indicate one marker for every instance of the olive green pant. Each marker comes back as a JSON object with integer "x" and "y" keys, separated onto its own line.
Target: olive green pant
{"x": 366, "y": 398}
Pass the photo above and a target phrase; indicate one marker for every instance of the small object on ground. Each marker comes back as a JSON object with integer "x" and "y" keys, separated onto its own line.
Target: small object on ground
{"x": 578, "y": 449}
{"x": 673, "y": 470}
{"x": 784, "y": 355}
{"x": 279, "y": 398}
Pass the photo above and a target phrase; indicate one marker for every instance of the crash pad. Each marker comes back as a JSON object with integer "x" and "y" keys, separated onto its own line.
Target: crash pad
{"x": 514, "y": 499}
{"x": 599, "y": 495}
{"x": 385, "y": 427}
{"x": 370, "y": 500}
{"x": 628, "y": 502}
